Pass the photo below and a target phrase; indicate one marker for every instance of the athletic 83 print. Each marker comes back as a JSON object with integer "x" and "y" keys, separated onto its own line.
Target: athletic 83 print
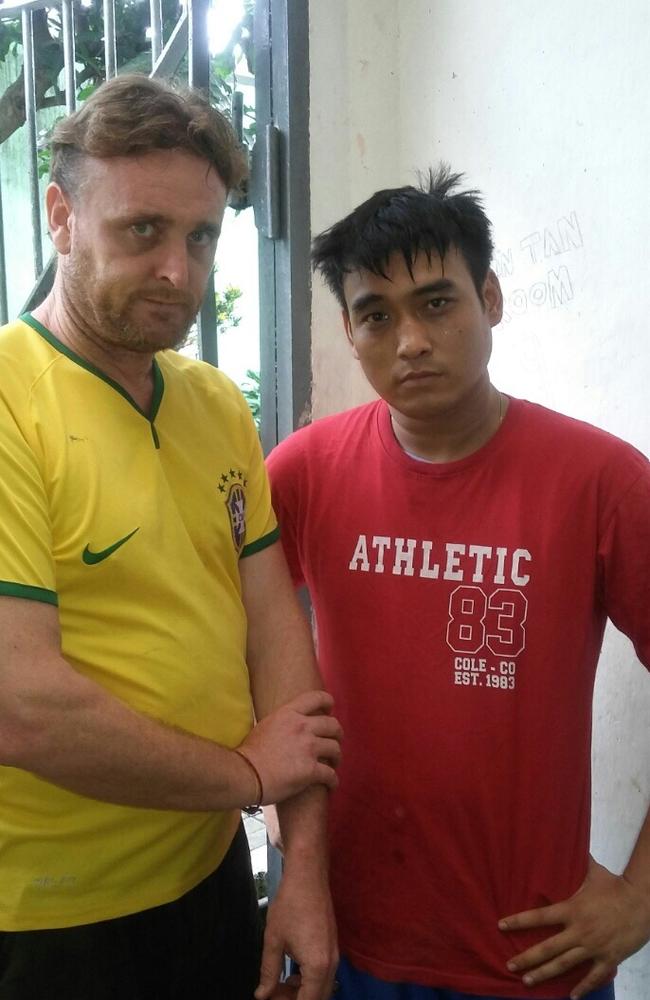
{"x": 486, "y": 627}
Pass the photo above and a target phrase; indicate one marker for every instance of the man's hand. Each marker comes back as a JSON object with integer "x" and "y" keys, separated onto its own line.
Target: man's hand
{"x": 604, "y": 922}
{"x": 296, "y": 746}
{"x": 301, "y": 923}
{"x": 288, "y": 989}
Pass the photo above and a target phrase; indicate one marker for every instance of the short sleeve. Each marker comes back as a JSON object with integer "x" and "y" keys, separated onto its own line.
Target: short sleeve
{"x": 624, "y": 559}
{"x": 26, "y": 564}
{"x": 261, "y": 523}
{"x": 285, "y": 465}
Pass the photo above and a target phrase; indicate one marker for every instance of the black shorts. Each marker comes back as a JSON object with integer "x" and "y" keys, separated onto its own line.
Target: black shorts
{"x": 204, "y": 946}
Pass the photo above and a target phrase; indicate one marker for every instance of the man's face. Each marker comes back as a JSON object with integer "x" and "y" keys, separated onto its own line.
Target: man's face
{"x": 423, "y": 341}
{"x": 136, "y": 245}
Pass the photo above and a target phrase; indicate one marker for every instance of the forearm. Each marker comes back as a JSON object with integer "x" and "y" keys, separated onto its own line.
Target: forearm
{"x": 302, "y": 818}
{"x": 280, "y": 649}
{"x": 282, "y": 664}
{"x": 303, "y": 828}
{"x": 73, "y": 733}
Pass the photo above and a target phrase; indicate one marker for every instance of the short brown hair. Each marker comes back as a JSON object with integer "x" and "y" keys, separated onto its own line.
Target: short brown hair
{"x": 134, "y": 114}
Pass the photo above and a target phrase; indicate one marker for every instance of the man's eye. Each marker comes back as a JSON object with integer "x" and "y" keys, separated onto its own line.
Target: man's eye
{"x": 202, "y": 237}
{"x": 145, "y": 229}
{"x": 372, "y": 319}
{"x": 436, "y": 303}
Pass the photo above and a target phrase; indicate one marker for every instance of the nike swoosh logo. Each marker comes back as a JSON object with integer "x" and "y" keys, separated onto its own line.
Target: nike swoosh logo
{"x": 91, "y": 558}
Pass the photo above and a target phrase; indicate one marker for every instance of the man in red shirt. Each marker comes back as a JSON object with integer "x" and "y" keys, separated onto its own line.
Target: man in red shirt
{"x": 463, "y": 551}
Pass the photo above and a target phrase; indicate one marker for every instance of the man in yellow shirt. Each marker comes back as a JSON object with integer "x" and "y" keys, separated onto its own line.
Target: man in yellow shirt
{"x": 146, "y": 615}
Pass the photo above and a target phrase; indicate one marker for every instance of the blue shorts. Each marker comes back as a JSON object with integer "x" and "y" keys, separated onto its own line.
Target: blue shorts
{"x": 355, "y": 985}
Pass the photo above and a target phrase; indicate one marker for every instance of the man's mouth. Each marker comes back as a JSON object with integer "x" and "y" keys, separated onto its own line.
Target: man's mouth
{"x": 167, "y": 302}
{"x": 420, "y": 376}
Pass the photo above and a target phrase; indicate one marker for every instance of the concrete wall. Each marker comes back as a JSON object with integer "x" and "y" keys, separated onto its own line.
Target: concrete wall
{"x": 545, "y": 108}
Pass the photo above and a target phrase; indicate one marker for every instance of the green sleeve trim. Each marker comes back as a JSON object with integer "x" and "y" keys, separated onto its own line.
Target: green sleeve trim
{"x": 261, "y": 543}
{"x": 30, "y": 593}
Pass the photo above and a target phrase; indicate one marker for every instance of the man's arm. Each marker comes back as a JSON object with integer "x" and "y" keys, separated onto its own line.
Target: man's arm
{"x": 605, "y": 922}
{"x": 72, "y": 732}
{"x": 282, "y": 665}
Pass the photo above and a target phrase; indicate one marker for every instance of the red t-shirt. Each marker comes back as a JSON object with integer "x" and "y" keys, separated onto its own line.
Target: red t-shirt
{"x": 460, "y": 610}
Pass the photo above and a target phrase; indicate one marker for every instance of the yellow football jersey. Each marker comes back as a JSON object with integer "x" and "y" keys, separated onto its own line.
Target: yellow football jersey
{"x": 134, "y": 526}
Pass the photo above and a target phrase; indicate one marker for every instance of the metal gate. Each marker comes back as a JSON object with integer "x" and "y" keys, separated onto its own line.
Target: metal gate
{"x": 279, "y": 186}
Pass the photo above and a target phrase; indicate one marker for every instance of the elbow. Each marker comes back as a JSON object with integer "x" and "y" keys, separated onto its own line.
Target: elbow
{"x": 21, "y": 737}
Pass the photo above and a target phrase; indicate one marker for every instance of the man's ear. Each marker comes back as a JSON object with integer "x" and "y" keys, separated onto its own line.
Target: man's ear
{"x": 59, "y": 217}
{"x": 493, "y": 298}
{"x": 348, "y": 332}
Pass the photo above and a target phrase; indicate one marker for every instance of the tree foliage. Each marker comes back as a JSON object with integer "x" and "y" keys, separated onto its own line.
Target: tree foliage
{"x": 226, "y": 302}
{"x": 133, "y": 54}
{"x": 251, "y": 391}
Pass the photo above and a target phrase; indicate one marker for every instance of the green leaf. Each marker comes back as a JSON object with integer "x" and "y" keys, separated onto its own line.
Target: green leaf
{"x": 251, "y": 393}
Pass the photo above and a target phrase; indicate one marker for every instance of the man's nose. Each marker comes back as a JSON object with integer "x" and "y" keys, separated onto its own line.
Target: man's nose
{"x": 412, "y": 339}
{"x": 172, "y": 264}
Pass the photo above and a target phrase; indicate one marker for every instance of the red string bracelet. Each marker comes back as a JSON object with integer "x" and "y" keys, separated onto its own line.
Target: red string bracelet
{"x": 255, "y": 807}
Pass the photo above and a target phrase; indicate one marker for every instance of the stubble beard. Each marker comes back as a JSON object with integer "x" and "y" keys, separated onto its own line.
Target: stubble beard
{"x": 107, "y": 310}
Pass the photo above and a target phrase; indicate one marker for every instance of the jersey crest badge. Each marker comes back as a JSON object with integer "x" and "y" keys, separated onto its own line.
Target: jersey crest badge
{"x": 232, "y": 484}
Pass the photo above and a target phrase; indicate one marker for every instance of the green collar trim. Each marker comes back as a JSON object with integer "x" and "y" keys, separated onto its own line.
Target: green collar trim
{"x": 158, "y": 381}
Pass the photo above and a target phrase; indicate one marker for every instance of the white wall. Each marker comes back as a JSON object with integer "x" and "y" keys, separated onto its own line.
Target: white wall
{"x": 354, "y": 113}
{"x": 545, "y": 108}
